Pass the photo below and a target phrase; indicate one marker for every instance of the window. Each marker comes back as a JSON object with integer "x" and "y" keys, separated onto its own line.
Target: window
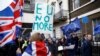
{"x": 76, "y": 4}
{"x": 28, "y": 5}
{"x": 95, "y": 22}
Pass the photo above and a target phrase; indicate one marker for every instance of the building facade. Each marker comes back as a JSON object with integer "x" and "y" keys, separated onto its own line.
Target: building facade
{"x": 91, "y": 10}
{"x": 65, "y": 11}
{"x": 61, "y": 19}
{"x": 85, "y": 8}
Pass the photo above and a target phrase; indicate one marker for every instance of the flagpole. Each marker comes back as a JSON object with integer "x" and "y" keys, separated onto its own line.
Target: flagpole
{"x": 69, "y": 15}
{"x": 85, "y": 29}
{"x": 24, "y": 30}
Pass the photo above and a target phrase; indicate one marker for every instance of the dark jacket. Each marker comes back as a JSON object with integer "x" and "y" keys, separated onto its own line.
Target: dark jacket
{"x": 19, "y": 44}
{"x": 64, "y": 43}
{"x": 86, "y": 48}
{"x": 8, "y": 50}
{"x": 53, "y": 48}
{"x": 70, "y": 41}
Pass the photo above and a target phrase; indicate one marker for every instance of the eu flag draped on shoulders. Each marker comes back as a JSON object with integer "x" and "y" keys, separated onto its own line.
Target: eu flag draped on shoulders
{"x": 97, "y": 29}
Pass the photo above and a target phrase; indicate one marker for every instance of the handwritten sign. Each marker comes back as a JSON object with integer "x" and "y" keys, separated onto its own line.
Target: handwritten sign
{"x": 43, "y": 18}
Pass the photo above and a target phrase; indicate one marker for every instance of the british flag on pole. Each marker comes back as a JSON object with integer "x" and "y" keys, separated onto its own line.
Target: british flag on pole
{"x": 7, "y": 21}
{"x": 18, "y": 16}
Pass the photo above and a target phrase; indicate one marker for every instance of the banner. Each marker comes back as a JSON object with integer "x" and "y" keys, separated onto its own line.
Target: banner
{"x": 43, "y": 18}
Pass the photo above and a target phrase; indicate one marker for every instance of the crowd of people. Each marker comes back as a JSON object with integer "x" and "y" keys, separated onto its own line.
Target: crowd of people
{"x": 69, "y": 46}
{"x": 74, "y": 46}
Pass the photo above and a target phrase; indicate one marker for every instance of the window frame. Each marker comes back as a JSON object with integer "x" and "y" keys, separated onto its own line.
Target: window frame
{"x": 28, "y": 11}
{"x": 94, "y": 22}
{"x": 75, "y": 4}
{"x": 73, "y": 10}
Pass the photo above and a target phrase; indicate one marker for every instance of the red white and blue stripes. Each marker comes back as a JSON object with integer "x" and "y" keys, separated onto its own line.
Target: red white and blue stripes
{"x": 37, "y": 48}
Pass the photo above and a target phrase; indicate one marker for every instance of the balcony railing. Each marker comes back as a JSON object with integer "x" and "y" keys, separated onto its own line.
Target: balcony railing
{"x": 62, "y": 15}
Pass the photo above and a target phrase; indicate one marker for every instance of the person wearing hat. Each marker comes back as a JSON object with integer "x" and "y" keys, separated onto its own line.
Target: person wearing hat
{"x": 37, "y": 46}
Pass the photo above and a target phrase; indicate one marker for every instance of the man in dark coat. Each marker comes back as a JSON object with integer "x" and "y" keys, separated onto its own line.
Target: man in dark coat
{"x": 9, "y": 49}
{"x": 86, "y": 46}
{"x": 52, "y": 47}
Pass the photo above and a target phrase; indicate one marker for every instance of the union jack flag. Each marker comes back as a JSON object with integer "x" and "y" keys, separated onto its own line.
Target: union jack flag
{"x": 37, "y": 48}
{"x": 8, "y": 23}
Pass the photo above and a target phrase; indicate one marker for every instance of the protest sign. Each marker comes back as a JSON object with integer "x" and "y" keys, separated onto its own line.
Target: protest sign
{"x": 43, "y": 18}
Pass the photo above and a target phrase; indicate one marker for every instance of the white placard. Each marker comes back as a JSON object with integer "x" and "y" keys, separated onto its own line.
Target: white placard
{"x": 43, "y": 18}
{"x": 60, "y": 48}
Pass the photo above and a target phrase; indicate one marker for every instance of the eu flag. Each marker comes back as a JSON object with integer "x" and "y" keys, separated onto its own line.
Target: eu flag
{"x": 63, "y": 29}
{"x": 97, "y": 29}
{"x": 75, "y": 25}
